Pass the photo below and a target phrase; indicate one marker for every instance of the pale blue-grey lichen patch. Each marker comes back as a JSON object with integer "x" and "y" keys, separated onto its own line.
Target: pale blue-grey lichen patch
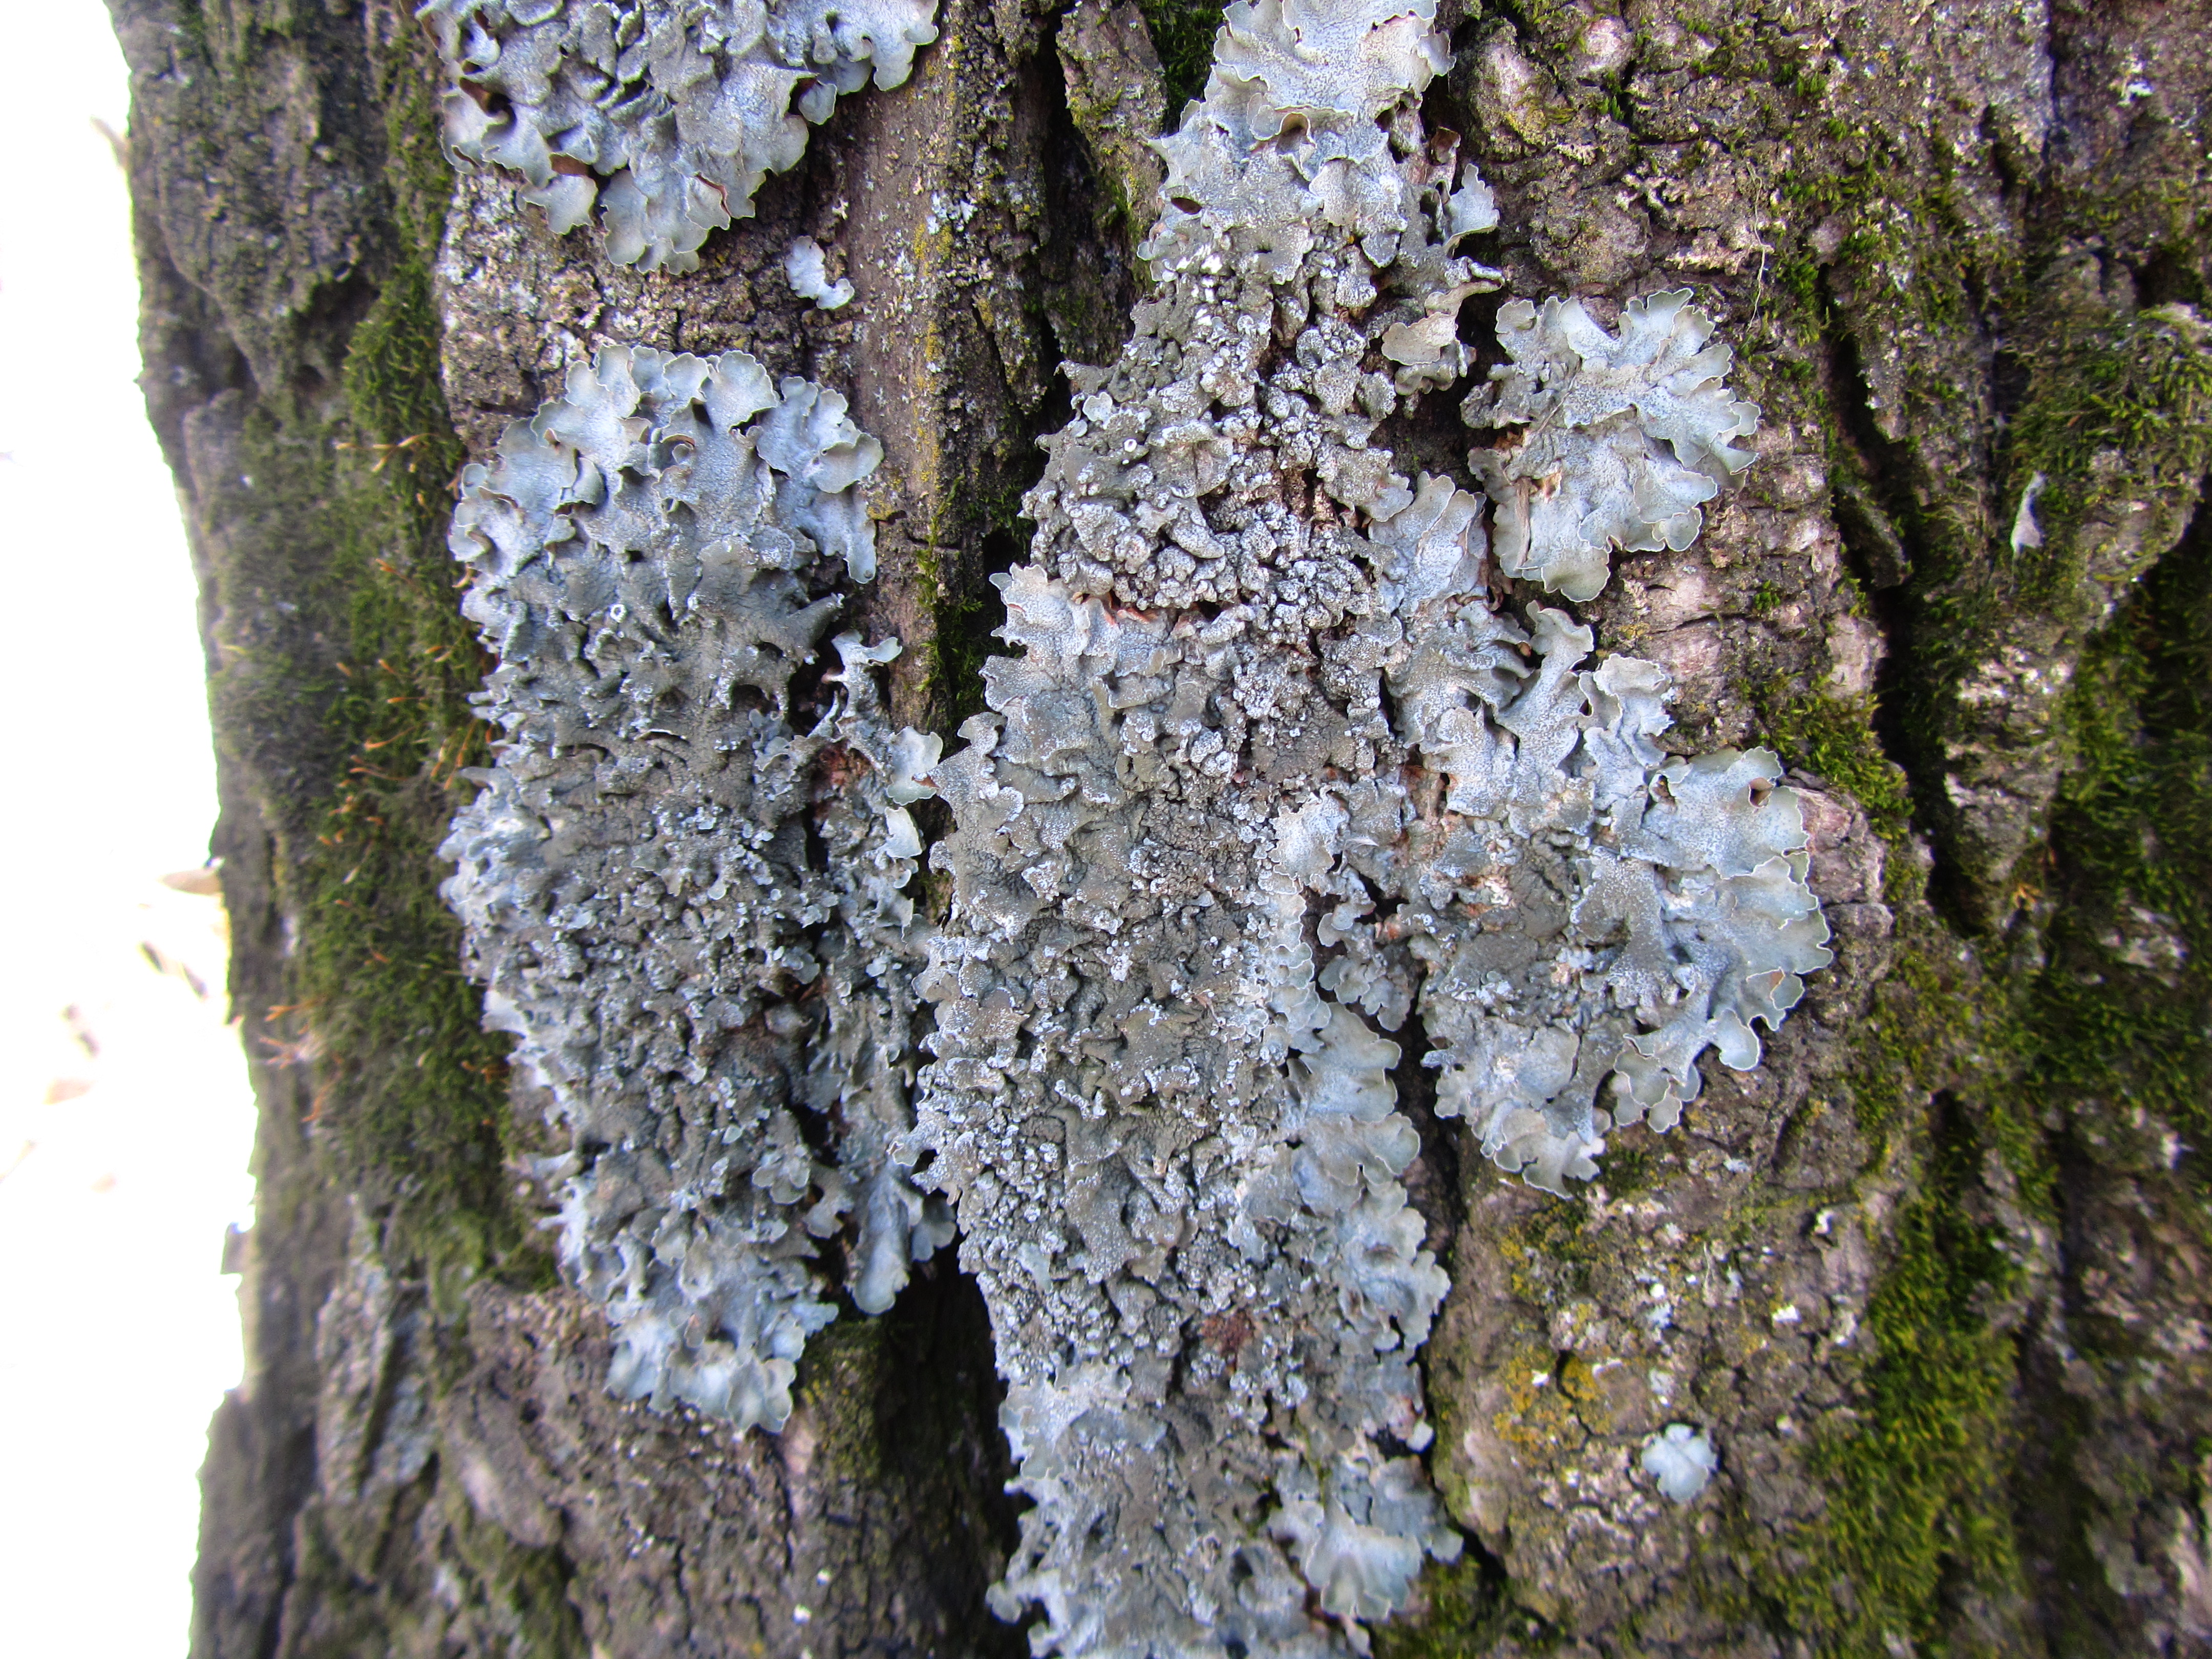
{"x": 1681, "y": 1460}
{"x": 688, "y": 906}
{"x": 1610, "y": 441}
{"x": 807, "y": 270}
{"x": 1272, "y": 773}
{"x": 682, "y": 109}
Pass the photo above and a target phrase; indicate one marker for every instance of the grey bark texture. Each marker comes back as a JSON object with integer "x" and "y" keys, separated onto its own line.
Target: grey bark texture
{"x": 1932, "y": 1278}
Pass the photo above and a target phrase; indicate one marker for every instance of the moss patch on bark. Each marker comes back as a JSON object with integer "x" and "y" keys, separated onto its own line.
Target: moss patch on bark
{"x": 411, "y": 1087}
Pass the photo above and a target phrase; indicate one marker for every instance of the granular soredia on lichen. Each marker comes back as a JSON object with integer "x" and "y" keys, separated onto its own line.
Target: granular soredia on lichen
{"x": 1270, "y": 776}
{"x": 688, "y": 906}
{"x": 683, "y": 109}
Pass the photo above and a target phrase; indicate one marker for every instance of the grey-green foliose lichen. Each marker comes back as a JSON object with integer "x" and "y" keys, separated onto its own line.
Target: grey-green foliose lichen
{"x": 686, "y": 904}
{"x": 683, "y": 110}
{"x": 1271, "y": 772}
{"x": 1274, "y": 773}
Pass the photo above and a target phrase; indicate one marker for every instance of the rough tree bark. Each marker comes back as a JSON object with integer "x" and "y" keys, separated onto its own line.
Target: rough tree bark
{"x": 1935, "y": 1277}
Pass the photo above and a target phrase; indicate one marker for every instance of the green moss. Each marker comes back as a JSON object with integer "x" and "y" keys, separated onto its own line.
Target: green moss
{"x": 1183, "y": 33}
{"x": 2075, "y": 1026}
{"x": 1468, "y": 1613}
{"x": 1940, "y": 1022}
{"x": 514, "y": 1598}
{"x": 2118, "y": 1012}
{"x": 1919, "y": 1517}
{"x": 1918, "y": 1514}
{"x": 391, "y": 384}
{"x": 1632, "y": 1163}
{"x": 2116, "y": 415}
{"x": 988, "y": 537}
{"x": 1833, "y": 738}
{"x": 192, "y": 24}
{"x": 1891, "y": 213}
{"x": 520, "y": 1592}
{"x": 1920, "y": 1488}
{"x": 409, "y": 80}
{"x": 1549, "y": 1255}
{"x": 840, "y": 1378}
{"x": 410, "y": 1090}
{"x": 958, "y": 648}
{"x": 2138, "y": 392}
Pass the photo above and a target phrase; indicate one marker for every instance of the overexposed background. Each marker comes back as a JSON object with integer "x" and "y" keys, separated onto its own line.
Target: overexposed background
{"x": 125, "y": 1121}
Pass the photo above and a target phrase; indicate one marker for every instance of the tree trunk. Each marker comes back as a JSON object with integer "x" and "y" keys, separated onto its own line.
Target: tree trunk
{"x": 1932, "y": 1278}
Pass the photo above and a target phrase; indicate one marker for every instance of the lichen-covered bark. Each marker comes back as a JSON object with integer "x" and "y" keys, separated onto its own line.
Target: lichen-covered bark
{"x": 423, "y": 1457}
{"x": 1894, "y": 1274}
{"x": 1931, "y": 1279}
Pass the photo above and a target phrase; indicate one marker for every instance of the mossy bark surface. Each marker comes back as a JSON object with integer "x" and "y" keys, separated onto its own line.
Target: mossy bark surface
{"x": 1933, "y": 1279}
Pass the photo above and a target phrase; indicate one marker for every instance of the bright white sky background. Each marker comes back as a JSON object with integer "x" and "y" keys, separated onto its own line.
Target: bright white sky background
{"x": 125, "y": 1125}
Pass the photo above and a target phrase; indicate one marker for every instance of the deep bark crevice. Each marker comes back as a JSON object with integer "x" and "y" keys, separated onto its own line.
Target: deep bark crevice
{"x": 1877, "y": 514}
{"x": 935, "y": 1416}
